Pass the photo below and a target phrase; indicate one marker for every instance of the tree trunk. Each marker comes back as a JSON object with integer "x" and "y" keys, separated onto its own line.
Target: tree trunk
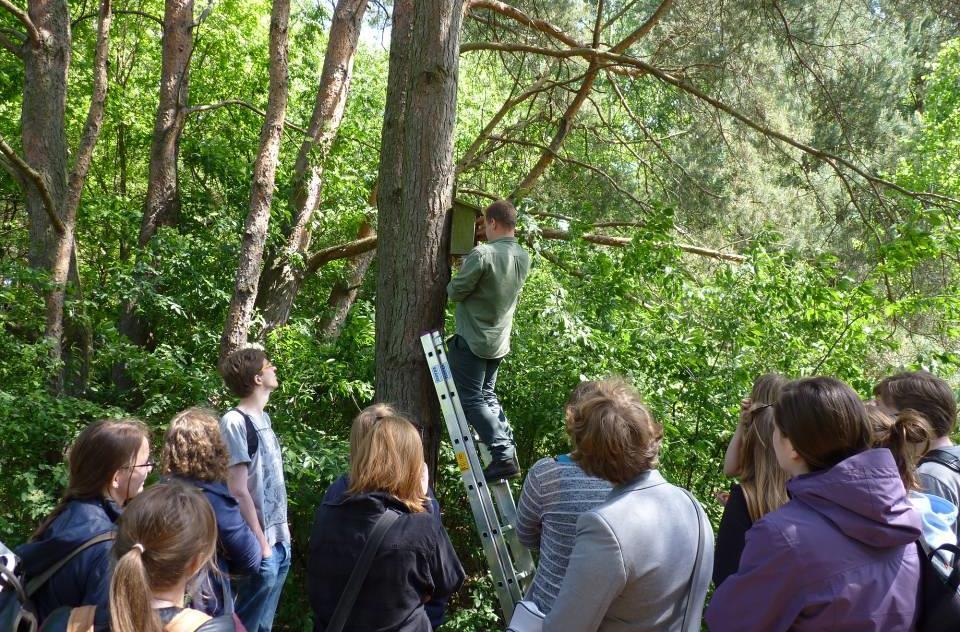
{"x": 162, "y": 205}
{"x": 281, "y": 278}
{"x": 261, "y": 193}
{"x": 345, "y": 291}
{"x": 163, "y": 186}
{"x": 416, "y": 190}
{"x": 52, "y": 199}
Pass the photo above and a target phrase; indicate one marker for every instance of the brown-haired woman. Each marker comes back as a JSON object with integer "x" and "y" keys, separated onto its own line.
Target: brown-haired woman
{"x": 932, "y": 398}
{"x": 415, "y": 562}
{"x": 908, "y": 435}
{"x": 632, "y": 561}
{"x": 843, "y": 548}
{"x": 164, "y": 538}
{"x": 763, "y": 484}
{"x": 194, "y": 453}
{"x": 108, "y": 464}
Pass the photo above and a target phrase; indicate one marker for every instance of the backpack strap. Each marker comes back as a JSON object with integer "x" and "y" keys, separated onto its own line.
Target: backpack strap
{"x": 253, "y": 435}
{"x": 944, "y": 458}
{"x": 187, "y": 620}
{"x": 349, "y": 595}
{"x": 688, "y": 619}
{"x": 81, "y": 619}
{"x": 34, "y": 584}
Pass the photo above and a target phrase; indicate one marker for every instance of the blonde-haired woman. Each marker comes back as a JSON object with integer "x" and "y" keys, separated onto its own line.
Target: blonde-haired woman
{"x": 763, "y": 483}
{"x": 164, "y": 537}
{"x": 414, "y": 564}
{"x": 194, "y": 453}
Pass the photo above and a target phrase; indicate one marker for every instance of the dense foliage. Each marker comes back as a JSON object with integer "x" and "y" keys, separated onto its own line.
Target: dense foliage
{"x": 839, "y": 276}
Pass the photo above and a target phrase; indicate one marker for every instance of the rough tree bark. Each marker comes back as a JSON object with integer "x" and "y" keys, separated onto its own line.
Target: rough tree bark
{"x": 53, "y": 197}
{"x": 345, "y": 291}
{"x": 261, "y": 192}
{"x": 162, "y": 205}
{"x": 282, "y": 276}
{"x": 416, "y": 191}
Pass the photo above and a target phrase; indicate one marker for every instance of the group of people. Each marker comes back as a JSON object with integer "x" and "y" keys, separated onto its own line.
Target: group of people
{"x": 819, "y": 533}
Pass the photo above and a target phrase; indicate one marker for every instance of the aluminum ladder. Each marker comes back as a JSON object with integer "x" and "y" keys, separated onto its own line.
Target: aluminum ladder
{"x": 493, "y": 507}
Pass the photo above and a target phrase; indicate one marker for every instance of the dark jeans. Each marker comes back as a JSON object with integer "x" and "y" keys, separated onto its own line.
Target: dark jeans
{"x": 475, "y": 379}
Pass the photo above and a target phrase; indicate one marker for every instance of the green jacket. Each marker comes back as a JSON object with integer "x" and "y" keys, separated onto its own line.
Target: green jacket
{"x": 486, "y": 291}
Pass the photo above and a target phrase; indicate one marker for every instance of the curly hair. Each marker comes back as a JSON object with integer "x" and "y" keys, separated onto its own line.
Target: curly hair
{"x": 615, "y": 436}
{"x": 194, "y": 448}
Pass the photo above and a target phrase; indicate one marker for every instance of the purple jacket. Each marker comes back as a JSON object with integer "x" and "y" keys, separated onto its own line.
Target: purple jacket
{"x": 839, "y": 556}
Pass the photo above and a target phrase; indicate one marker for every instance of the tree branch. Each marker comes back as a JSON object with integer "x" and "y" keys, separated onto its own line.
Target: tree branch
{"x": 686, "y": 86}
{"x": 243, "y": 104}
{"x": 143, "y": 14}
{"x": 620, "y": 242}
{"x": 32, "y": 33}
{"x": 11, "y": 46}
{"x": 341, "y": 251}
{"x": 94, "y": 122}
{"x": 644, "y": 29}
{"x": 28, "y": 173}
{"x": 516, "y": 14}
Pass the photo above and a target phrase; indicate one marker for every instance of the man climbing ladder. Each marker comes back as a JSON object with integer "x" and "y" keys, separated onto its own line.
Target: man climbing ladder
{"x": 486, "y": 291}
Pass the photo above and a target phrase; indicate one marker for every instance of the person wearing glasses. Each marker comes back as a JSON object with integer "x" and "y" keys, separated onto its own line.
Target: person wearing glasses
{"x": 195, "y": 454}
{"x": 255, "y": 478}
{"x": 108, "y": 464}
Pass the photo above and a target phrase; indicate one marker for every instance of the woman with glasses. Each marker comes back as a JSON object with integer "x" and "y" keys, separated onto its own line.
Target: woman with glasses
{"x": 194, "y": 453}
{"x": 108, "y": 464}
{"x": 763, "y": 484}
{"x": 413, "y": 565}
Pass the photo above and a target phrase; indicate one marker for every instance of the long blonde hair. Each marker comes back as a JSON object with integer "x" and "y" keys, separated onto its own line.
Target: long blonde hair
{"x": 389, "y": 458}
{"x": 166, "y": 534}
{"x": 763, "y": 481}
{"x": 363, "y": 423}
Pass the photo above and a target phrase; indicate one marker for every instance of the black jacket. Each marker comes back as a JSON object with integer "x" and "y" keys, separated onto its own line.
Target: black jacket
{"x": 415, "y": 562}
{"x": 85, "y": 580}
{"x": 731, "y": 535}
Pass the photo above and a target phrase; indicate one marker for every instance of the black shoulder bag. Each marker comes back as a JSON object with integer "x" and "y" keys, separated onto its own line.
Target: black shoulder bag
{"x": 349, "y": 596}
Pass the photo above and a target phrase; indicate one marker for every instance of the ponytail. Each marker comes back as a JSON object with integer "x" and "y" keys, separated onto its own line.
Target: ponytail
{"x": 130, "y": 596}
{"x": 907, "y": 436}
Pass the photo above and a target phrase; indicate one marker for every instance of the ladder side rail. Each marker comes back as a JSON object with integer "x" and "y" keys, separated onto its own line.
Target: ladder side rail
{"x": 495, "y": 548}
{"x": 521, "y": 558}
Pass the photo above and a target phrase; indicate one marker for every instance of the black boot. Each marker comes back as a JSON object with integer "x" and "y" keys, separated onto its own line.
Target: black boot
{"x": 499, "y": 470}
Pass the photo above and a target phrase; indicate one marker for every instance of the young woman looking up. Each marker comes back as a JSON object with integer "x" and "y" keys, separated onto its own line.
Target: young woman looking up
{"x": 763, "y": 484}
{"x": 414, "y": 564}
{"x": 194, "y": 453}
{"x": 108, "y": 464}
{"x": 164, "y": 538}
{"x": 843, "y": 548}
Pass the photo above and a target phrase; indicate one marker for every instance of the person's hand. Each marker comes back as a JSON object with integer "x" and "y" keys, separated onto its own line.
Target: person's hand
{"x": 722, "y": 497}
{"x": 745, "y": 409}
{"x": 267, "y": 550}
{"x": 425, "y": 479}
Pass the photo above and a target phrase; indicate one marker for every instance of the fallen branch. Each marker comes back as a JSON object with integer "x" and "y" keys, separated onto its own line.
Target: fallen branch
{"x": 620, "y": 242}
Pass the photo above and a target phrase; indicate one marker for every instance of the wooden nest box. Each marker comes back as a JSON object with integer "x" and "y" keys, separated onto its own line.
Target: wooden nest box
{"x": 463, "y": 227}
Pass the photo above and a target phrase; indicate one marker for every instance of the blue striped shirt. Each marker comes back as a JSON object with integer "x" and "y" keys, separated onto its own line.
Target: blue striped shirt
{"x": 555, "y": 493}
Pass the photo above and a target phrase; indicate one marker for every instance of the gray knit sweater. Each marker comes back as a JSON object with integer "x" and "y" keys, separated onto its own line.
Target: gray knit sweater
{"x": 555, "y": 493}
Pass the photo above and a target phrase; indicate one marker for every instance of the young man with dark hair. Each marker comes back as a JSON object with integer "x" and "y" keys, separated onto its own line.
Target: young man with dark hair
{"x": 255, "y": 478}
{"x": 486, "y": 291}
{"x": 931, "y": 397}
